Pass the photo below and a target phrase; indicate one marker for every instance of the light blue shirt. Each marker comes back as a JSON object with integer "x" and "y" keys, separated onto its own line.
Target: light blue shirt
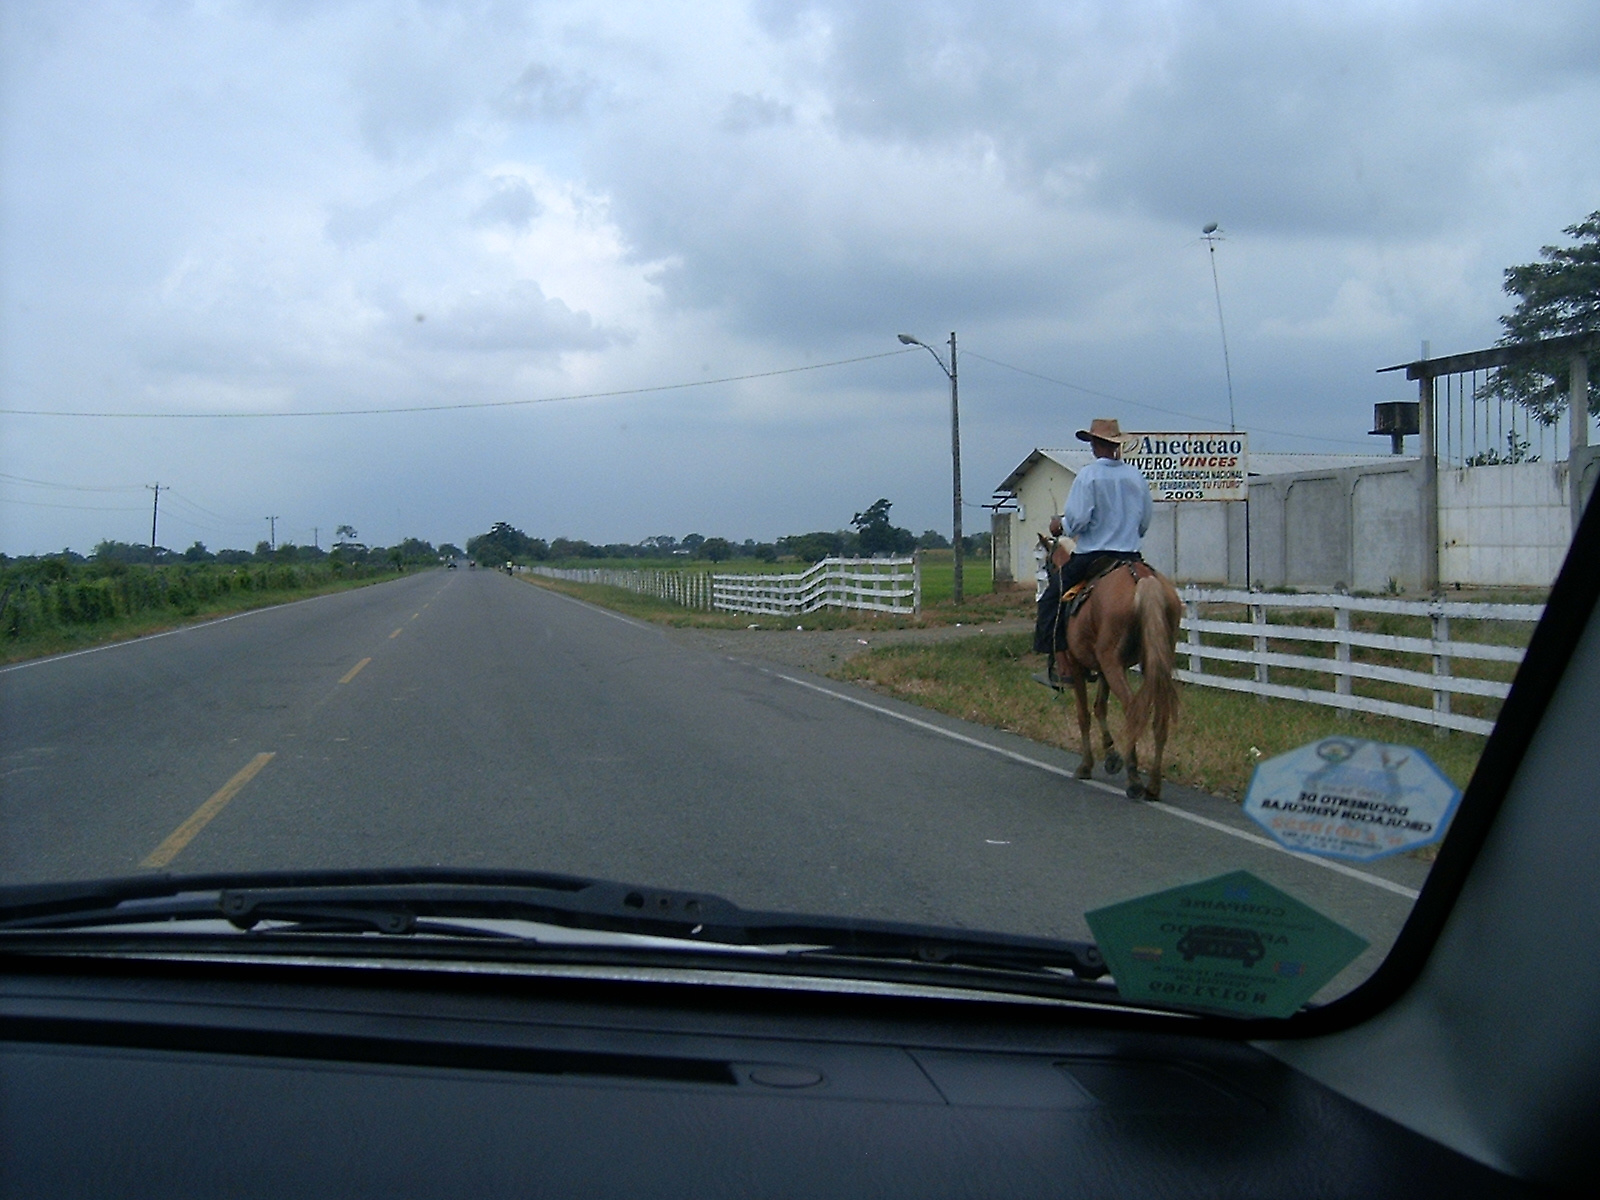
{"x": 1108, "y": 507}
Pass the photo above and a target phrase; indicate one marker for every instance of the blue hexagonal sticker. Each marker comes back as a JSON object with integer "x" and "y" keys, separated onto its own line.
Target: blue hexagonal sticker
{"x": 1347, "y": 798}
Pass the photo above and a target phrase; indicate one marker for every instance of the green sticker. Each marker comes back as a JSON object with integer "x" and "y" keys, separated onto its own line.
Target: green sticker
{"x": 1232, "y": 944}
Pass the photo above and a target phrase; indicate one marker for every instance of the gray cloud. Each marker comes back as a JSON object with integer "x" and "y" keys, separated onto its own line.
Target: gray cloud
{"x": 519, "y": 319}
{"x": 543, "y": 92}
{"x": 512, "y": 203}
{"x": 248, "y": 207}
{"x": 745, "y": 113}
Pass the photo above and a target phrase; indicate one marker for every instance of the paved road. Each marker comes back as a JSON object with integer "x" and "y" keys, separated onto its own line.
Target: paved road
{"x": 467, "y": 718}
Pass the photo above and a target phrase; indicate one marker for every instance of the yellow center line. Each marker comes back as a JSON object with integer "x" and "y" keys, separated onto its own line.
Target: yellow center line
{"x": 185, "y": 833}
{"x": 396, "y": 633}
{"x": 354, "y": 671}
{"x": 415, "y": 615}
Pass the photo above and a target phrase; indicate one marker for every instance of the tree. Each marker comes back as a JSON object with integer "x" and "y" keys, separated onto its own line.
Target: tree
{"x": 345, "y": 533}
{"x": 1557, "y": 297}
{"x": 716, "y": 549}
{"x": 505, "y": 543}
{"x": 875, "y": 535}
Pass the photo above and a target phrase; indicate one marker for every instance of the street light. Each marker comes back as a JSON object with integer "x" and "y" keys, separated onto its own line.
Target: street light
{"x": 955, "y": 446}
{"x": 1211, "y": 235}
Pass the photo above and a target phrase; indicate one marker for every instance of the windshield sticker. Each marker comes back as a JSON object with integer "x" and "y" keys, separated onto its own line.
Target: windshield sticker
{"x": 1231, "y": 945}
{"x": 1348, "y": 798}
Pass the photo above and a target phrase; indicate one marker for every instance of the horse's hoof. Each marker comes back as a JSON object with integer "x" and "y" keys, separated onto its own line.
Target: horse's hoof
{"x": 1153, "y": 793}
{"x": 1084, "y": 771}
{"x": 1113, "y": 762}
{"x": 1135, "y": 790}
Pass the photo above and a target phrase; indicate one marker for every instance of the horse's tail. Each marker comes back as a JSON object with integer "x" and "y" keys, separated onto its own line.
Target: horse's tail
{"x": 1156, "y": 609}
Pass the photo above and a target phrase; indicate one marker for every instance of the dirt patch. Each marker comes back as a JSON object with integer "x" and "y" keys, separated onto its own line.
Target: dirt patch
{"x": 822, "y": 651}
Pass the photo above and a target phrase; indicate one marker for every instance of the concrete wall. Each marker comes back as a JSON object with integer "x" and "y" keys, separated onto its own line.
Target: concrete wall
{"x": 1505, "y": 524}
{"x": 1198, "y": 542}
{"x": 1350, "y": 527}
{"x": 1192, "y": 543}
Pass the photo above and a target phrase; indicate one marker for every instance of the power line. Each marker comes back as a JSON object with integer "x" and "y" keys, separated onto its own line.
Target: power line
{"x": 73, "y": 507}
{"x": 1171, "y": 412}
{"x": 70, "y": 487}
{"x": 234, "y": 521}
{"x": 420, "y": 408}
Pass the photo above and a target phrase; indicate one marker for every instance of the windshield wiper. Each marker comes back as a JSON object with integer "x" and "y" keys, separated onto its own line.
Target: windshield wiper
{"x": 452, "y": 902}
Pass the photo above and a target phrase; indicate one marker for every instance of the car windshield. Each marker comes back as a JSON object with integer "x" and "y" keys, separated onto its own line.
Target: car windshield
{"x": 1025, "y": 497}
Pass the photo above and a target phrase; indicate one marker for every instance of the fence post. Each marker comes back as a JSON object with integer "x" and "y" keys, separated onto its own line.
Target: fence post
{"x": 1191, "y": 608}
{"x": 1341, "y": 650}
{"x": 1441, "y": 666}
{"x": 1258, "y": 617}
{"x": 916, "y": 583}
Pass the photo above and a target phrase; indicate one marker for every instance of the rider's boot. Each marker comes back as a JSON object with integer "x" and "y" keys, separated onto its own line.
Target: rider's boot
{"x": 1060, "y": 670}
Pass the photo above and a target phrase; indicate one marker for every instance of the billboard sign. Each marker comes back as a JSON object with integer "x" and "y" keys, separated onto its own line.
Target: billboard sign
{"x": 1190, "y": 466}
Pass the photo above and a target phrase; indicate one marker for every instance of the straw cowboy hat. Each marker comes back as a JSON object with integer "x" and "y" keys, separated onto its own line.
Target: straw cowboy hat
{"x": 1102, "y": 429}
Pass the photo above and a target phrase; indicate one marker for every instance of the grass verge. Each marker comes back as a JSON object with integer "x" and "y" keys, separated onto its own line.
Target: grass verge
{"x": 64, "y": 640}
{"x": 981, "y": 603}
{"x": 1218, "y": 738}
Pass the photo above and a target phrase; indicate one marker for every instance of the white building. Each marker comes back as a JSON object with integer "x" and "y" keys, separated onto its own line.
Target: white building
{"x": 1208, "y": 542}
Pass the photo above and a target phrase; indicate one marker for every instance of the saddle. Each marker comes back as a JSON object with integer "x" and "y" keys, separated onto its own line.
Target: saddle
{"x": 1077, "y": 595}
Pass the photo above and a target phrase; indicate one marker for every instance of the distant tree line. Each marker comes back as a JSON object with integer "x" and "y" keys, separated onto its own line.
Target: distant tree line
{"x": 870, "y": 533}
{"x": 408, "y": 553}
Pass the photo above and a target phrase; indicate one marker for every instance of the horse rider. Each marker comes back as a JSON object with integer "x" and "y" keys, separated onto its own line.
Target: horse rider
{"x": 1107, "y": 514}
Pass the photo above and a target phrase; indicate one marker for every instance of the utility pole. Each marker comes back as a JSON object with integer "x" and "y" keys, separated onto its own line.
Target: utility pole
{"x": 955, "y": 468}
{"x": 1211, "y": 235}
{"x": 272, "y": 531}
{"x": 906, "y": 339}
{"x": 155, "y": 507}
{"x": 315, "y": 545}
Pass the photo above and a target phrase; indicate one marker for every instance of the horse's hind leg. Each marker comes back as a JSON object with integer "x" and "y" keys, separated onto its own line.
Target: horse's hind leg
{"x": 1080, "y": 692}
{"x": 1159, "y": 721}
{"x": 1107, "y": 744}
{"x": 1132, "y": 725}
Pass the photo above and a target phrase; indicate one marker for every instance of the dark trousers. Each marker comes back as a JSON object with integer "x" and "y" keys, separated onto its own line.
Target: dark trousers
{"x": 1049, "y": 630}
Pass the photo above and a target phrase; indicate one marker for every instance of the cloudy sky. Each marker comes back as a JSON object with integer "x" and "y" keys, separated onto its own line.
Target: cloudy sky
{"x": 306, "y": 207}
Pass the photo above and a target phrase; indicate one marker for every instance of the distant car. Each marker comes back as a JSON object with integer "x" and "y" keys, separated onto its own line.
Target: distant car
{"x": 451, "y": 565}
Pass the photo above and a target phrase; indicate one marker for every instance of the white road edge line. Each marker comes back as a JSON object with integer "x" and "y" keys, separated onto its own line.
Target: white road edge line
{"x": 1255, "y": 839}
{"x": 605, "y": 612}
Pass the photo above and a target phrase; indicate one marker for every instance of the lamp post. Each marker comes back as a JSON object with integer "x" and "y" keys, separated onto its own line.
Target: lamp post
{"x": 1211, "y": 235}
{"x": 955, "y": 448}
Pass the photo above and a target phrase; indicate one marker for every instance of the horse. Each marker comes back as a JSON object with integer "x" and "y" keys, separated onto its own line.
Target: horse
{"x": 1129, "y": 616}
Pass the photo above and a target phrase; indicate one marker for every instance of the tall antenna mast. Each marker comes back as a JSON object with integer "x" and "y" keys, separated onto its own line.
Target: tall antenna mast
{"x": 1211, "y": 235}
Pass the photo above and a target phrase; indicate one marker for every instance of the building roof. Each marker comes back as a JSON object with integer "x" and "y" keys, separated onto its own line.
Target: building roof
{"x": 1261, "y": 463}
{"x": 1497, "y": 356}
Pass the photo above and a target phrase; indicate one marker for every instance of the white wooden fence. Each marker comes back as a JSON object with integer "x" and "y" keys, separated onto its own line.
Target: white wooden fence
{"x": 1439, "y": 647}
{"x": 692, "y": 589}
{"x": 880, "y": 584}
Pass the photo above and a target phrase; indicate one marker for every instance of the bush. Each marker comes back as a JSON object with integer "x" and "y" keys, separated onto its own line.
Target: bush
{"x": 54, "y": 595}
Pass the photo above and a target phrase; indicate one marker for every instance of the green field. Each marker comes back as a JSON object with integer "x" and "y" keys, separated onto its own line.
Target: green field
{"x": 63, "y": 607}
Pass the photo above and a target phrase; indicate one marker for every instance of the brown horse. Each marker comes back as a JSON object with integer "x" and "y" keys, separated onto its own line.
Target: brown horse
{"x": 1130, "y": 617}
